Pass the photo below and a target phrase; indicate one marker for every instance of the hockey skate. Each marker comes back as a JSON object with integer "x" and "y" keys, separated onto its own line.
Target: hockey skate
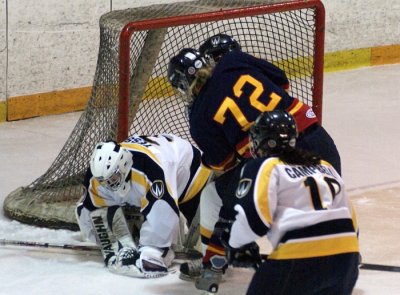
{"x": 211, "y": 274}
{"x": 209, "y": 280}
{"x": 191, "y": 270}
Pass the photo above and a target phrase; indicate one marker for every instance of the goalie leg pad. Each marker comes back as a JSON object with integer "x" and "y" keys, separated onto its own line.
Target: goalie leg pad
{"x": 111, "y": 232}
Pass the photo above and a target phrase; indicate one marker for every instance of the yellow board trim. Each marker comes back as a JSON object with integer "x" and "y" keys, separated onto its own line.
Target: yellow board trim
{"x": 64, "y": 101}
{"x": 3, "y": 111}
{"x": 345, "y": 60}
{"x": 51, "y": 103}
{"x": 385, "y": 55}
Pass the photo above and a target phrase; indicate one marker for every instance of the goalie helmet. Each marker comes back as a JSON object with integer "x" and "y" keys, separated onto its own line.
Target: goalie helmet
{"x": 273, "y": 133}
{"x": 216, "y": 46}
{"x": 183, "y": 67}
{"x": 110, "y": 164}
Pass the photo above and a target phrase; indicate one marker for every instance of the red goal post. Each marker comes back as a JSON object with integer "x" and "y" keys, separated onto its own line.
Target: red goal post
{"x": 131, "y": 93}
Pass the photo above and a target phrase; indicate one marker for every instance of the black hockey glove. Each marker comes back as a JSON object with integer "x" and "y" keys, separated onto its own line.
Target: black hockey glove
{"x": 222, "y": 230}
{"x": 245, "y": 256}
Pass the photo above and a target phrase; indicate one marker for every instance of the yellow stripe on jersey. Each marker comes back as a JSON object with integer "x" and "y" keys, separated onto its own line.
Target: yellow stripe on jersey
{"x": 143, "y": 202}
{"x": 316, "y": 248}
{"x": 139, "y": 178}
{"x": 244, "y": 149}
{"x": 205, "y": 232}
{"x": 296, "y": 108}
{"x": 141, "y": 148}
{"x": 215, "y": 250}
{"x": 96, "y": 199}
{"x": 222, "y": 166}
{"x": 198, "y": 182}
{"x": 261, "y": 190}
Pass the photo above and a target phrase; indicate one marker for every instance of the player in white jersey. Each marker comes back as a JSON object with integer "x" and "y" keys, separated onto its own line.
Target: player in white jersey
{"x": 163, "y": 176}
{"x": 299, "y": 202}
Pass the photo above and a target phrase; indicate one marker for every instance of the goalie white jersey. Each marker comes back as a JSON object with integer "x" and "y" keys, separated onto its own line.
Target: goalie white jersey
{"x": 166, "y": 173}
{"x": 303, "y": 210}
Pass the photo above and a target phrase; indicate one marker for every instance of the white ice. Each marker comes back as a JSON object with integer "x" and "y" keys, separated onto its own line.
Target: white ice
{"x": 361, "y": 111}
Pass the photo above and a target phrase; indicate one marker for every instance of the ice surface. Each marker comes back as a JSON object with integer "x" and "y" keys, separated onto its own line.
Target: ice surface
{"x": 361, "y": 111}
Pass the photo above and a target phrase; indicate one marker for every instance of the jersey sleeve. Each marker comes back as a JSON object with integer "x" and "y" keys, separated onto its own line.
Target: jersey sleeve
{"x": 218, "y": 154}
{"x": 158, "y": 206}
{"x": 256, "y": 203}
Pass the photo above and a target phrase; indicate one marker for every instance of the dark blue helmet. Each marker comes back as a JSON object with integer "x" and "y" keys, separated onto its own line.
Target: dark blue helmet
{"x": 183, "y": 67}
{"x": 273, "y": 132}
{"x": 218, "y": 45}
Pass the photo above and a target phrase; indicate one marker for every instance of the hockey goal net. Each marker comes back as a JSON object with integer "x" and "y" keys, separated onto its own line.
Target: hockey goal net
{"x": 131, "y": 93}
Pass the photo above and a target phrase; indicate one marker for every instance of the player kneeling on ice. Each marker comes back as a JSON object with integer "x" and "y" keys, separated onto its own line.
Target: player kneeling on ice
{"x": 163, "y": 176}
{"x": 299, "y": 202}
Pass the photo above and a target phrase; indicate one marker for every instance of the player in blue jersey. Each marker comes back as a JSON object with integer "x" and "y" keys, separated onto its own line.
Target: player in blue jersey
{"x": 299, "y": 202}
{"x": 215, "y": 47}
{"x": 223, "y": 102}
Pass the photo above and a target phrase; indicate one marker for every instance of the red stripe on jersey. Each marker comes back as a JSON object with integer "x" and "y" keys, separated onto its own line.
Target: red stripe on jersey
{"x": 286, "y": 87}
{"x": 303, "y": 115}
{"x": 243, "y": 148}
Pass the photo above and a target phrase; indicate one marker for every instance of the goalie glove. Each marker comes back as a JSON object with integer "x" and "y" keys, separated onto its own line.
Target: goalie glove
{"x": 148, "y": 262}
{"x": 154, "y": 262}
{"x": 124, "y": 263}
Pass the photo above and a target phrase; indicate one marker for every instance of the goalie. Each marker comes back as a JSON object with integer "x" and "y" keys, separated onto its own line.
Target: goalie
{"x": 163, "y": 176}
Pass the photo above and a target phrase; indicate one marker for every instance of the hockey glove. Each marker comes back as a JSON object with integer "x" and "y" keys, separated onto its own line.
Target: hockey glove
{"x": 154, "y": 262}
{"x": 124, "y": 263}
{"x": 245, "y": 256}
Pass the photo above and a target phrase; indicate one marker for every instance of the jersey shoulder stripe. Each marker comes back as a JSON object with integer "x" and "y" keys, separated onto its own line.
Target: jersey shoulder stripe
{"x": 138, "y": 148}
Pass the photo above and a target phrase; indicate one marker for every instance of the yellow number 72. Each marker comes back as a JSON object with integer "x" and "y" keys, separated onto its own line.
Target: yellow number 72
{"x": 230, "y": 105}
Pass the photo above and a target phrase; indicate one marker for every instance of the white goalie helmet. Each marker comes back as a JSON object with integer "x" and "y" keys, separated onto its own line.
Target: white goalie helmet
{"x": 110, "y": 164}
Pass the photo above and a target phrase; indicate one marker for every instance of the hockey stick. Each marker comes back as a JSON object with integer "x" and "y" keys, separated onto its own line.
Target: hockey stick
{"x": 194, "y": 231}
{"x": 85, "y": 248}
{"x": 380, "y": 267}
{"x": 186, "y": 254}
{"x": 366, "y": 266}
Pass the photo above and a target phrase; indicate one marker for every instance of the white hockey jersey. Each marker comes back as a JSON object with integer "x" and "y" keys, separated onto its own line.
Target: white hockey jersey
{"x": 303, "y": 210}
{"x": 166, "y": 172}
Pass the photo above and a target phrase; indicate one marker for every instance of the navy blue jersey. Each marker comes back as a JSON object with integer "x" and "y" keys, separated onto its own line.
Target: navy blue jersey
{"x": 241, "y": 87}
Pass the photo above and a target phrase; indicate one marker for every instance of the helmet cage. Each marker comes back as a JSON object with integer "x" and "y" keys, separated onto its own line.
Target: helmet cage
{"x": 183, "y": 67}
{"x": 114, "y": 182}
